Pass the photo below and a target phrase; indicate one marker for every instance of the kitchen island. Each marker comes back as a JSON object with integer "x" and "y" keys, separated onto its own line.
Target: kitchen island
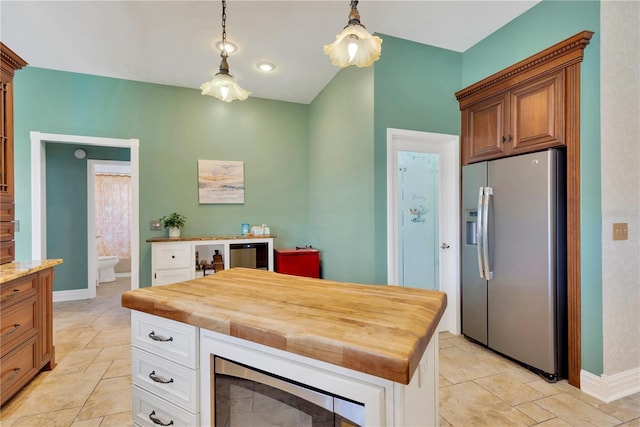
{"x": 369, "y": 344}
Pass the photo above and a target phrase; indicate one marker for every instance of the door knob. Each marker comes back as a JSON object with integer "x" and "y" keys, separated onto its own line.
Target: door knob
{"x": 444, "y": 246}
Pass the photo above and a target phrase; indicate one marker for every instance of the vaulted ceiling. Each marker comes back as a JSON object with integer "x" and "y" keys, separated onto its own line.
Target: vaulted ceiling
{"x": 173, "y": 42}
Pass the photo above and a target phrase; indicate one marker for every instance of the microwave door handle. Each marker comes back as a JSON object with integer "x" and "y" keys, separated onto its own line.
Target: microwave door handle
{"x": 479, "y": 231}
{"x": 488, "y": 192}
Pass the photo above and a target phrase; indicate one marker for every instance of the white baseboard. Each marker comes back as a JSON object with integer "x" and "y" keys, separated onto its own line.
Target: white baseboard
{"x": 610, "y": 387}
{"x": 71, "y": 295}
{"x": 123, "y": 274}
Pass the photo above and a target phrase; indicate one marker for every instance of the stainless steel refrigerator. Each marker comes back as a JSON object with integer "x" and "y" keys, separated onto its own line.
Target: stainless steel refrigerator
{"x": 514, "y": 259}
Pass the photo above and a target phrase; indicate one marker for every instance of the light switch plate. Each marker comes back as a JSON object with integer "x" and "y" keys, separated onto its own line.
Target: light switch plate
{"x": 154, "y": 225}
{"x": 620, "y": 231}
{"x": 16, "y": 225}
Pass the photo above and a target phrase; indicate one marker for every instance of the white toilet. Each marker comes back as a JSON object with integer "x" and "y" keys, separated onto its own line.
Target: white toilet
{"x": 106, "y": 272}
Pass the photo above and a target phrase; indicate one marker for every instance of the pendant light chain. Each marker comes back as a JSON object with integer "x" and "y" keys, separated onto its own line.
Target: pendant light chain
{"x": 224, "y": 28}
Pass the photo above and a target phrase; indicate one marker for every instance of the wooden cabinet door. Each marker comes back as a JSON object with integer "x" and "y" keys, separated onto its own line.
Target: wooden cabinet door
{"x": 6, "y": 140}
{"x": 484, "y": 126}
{"x": 7, "y": 244}
{"x": 46, "y": 356}
{"x": 10, "y": 62}
{"x": 537, "y": 116}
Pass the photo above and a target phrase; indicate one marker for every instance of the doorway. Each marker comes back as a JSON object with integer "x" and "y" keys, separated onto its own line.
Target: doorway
{"x": 108, "y": 214}
{"x": 38, "y": 205}
{"x": 423, "y": 175}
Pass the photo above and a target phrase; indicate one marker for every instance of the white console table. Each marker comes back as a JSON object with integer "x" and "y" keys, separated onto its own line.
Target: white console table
{"x": 173, "y": 260}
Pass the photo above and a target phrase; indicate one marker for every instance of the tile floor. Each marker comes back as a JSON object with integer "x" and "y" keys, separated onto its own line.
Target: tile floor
{"x": 480, "y": 388}
{"x": 91, "y": 385}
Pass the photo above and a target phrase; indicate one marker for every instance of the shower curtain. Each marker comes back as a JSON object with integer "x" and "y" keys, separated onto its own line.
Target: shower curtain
{"x": 112, "y": 211}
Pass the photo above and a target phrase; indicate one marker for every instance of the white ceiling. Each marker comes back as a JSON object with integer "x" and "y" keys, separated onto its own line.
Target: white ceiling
{"x": 172, "y": 42}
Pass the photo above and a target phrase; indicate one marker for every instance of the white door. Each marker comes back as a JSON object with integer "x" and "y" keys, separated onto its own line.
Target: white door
{"x": 418, "y": 208}
{"x": 423, "y": 174}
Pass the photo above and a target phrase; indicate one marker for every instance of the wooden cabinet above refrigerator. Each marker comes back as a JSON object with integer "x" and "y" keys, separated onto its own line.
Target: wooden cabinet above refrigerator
{"x": 523, "y": 108}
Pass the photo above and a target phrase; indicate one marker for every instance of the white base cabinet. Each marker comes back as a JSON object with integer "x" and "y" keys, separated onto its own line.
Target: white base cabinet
{"x": 172, "y": 377}
{"x": 164, "y": 371}
{"x": 171, "y": 262}
{"x": 174, "y": 261}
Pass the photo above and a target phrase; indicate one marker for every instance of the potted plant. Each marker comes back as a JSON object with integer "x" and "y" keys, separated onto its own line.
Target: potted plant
{"x": 174, "y": 223}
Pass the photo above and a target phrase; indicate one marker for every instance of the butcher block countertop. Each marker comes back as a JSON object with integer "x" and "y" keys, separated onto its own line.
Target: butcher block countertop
{"x": 378, "y": 330}
{"x": 16, "y": 270}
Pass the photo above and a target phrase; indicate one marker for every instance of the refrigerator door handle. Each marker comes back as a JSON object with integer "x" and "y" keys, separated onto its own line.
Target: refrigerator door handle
{"x": 479, "y": 231}
{"x": 488, "y": 192}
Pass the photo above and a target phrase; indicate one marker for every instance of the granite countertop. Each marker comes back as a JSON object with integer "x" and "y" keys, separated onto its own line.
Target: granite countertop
{"x": 378, "y": 330}
{"x": 198, "y": 238}
{"x": 18, "y": 269}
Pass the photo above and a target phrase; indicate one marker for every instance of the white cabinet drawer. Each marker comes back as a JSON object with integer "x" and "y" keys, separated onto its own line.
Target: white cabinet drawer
{"x": 150, "y": 410}
{"x": 166, "y": 277}
{"x": 172, "y": 340}
{"x": 171, "y": 255}
{"x": 171, "y": 381}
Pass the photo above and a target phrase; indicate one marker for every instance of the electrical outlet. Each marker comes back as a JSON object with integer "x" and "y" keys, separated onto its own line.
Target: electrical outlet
{"x": 620, "y": 231}
{"x": 154, "y": 225}
{"x": 16, "y": 225}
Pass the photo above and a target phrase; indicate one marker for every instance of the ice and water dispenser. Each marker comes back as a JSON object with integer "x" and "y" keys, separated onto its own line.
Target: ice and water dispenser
{"x": 471, "y": 226}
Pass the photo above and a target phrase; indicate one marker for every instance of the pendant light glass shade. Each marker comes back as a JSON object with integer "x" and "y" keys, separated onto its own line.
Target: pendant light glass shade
{"x": 223, "y": 86}
{"x": 354, "y": 45}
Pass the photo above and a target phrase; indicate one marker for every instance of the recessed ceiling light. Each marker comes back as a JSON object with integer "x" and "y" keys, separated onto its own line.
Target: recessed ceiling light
{"x": 265, "y": 66}
{"x": 230, "y": 46}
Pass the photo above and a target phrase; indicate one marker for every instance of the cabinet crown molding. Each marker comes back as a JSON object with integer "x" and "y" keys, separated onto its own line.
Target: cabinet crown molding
{"x": 10, "y": 61}
{"x": 560, "y": 55}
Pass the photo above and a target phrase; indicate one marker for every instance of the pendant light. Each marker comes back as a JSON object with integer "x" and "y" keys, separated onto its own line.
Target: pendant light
{"x": 354, "y": 45}
{"x": 223, "y": 86}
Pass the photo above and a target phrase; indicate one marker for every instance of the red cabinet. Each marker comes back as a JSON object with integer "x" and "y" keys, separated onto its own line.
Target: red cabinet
{"x": 298, "y": 262}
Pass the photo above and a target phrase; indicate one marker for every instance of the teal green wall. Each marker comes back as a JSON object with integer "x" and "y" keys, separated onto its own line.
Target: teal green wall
{"x": 544, "y": 25}
{"x": 316, "y": 174}
{"x": 410, "y": 87}
{"x": 414, "y": 89}
{"x": 67, "y": 209}
{"x": 176, "y": 127}
{"x": 341, "y": 176}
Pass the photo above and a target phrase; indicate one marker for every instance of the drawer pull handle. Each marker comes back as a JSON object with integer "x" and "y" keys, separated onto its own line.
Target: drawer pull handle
{"x": 157, "y": 420}
{"x": 8, "y": 296}
{"x": 155, "y": 337}
{"x": 158, "y": 379}
{"x": 11, "y": 329}
{"x": 12, "y": 374}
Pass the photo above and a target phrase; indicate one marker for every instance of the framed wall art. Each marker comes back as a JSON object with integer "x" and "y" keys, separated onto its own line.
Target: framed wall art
{"x": 220, "y": 181}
